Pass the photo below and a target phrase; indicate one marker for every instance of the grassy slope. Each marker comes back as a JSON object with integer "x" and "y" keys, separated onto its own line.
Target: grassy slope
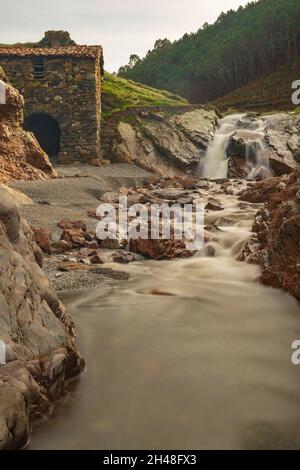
{"x": 119, "y": 94}
{"x": 268, "y": 93}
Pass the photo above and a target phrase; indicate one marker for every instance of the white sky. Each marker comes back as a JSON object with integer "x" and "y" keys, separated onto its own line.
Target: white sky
{"x": 122, "y": 27}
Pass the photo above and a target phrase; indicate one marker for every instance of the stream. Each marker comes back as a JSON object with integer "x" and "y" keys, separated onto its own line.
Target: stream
{"x": 188, "y": 354}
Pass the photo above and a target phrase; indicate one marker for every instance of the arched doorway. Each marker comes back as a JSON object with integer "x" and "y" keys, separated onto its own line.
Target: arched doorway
{"x": 47, "y": 132}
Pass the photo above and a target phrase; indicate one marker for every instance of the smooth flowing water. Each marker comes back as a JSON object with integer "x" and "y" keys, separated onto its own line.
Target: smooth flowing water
{"x": 192, "y": 353}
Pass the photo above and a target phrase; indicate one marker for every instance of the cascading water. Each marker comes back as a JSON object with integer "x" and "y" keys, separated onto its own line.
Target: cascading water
{"x": 251, "y": 132}
{"x": 215, "y": 163}
{"x": 257, "y": 161}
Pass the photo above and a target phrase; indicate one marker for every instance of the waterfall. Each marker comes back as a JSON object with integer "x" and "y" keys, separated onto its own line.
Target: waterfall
{"x": 252, "y": 134}
{"x": 257, "y": 161}
{"x": 215, "y": 162}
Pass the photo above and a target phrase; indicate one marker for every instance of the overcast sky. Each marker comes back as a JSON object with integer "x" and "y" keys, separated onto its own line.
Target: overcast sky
{"x": 122, "y": 27}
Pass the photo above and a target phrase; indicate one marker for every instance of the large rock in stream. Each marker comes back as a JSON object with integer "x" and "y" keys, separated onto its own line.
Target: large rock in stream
{"x": 277, "y": 141}
{"x": 35, "y": 328}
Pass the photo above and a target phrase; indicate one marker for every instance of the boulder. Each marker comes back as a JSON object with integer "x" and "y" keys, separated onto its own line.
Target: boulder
{"x": 123, "y": 256}
{"x": 70, "y": 224}
{"x": 277, "y": 141}
{"x": 42, "y": 238}
{"x": 75, "y": 236}
{"x": 167, "y": 143}
{"x": 160, "y": 249}
{"x": 198, "y": 125}
{"x": 214, "y": 205}
{"x": 35, "y": 327}
{"x": 21, "y": 155}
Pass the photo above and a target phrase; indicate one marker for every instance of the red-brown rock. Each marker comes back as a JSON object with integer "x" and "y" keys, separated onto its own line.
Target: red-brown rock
{"x": 74, "y": 236}
{"x": 42, "y": 238}
{"x": 70, "y": 224}
{"x": 277, "y": 232}
{"x": 160, "y": 249}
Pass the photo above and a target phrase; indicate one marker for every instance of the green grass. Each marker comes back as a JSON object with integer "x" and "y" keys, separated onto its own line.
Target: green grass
{"x": 119, "y": 94}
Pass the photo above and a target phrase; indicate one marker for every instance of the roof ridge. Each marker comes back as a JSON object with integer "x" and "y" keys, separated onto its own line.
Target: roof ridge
{"x": 82, "y": 50}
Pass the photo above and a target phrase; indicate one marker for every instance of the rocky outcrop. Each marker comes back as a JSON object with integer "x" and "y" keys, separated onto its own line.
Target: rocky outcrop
{"x": 21, "y": 157}
{"x": 166, "y": 142}
{"x": 34, "y": 326}
{"x": 275, "y": 244}
{"x": 283, "y": 138}
{"x": 272, "y": 142}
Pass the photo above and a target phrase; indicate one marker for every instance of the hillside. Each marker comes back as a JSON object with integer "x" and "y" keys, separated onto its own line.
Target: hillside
{"x": 240, "y": 46}
{"x": 119, "y": 94}
{"x": 267, "y": 93}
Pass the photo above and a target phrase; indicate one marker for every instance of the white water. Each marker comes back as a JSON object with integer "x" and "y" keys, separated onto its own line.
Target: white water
{"x": 215, "y": 164}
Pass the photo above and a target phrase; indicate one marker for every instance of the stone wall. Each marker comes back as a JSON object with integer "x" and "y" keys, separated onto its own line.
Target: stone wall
{"x": 70, "y": 92}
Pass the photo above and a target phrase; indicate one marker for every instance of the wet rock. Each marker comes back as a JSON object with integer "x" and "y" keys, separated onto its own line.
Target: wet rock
{"x": 277, "y": 142}
{"x": 259, "y": 173}
{"x": 42, "y": 237}
{"x": 123, "y": 256}
{"x": 237, "y": 145}
{"x": 214, "y": 205}
{"x": 210, "y": 251}
{"x": 160, "y": 249}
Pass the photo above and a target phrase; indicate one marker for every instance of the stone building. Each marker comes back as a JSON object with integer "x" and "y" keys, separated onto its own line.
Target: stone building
{"x": 62, "y": 89}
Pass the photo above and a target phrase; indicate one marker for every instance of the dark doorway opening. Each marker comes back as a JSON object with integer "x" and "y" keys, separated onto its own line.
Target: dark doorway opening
{"x": 47, "y": 132}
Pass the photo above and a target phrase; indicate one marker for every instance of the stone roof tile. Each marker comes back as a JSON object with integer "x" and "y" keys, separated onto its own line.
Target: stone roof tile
{"x": 92, "y": 52}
